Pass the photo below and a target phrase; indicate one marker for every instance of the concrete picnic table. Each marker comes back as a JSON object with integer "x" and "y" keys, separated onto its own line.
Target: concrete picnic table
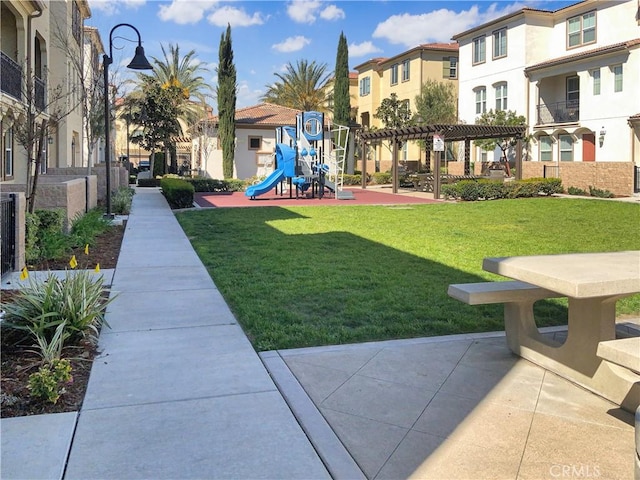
{"x": 593, "y": 282}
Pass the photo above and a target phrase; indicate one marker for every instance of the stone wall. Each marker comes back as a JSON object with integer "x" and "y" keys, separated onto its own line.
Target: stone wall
{"x": 617, "y": 177}
{"x": 70, "y": 194}
{"x": 119, "y": 177}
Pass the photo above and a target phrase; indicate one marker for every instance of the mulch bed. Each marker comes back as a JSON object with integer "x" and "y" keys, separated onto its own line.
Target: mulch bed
{"x": 18, "y": 362}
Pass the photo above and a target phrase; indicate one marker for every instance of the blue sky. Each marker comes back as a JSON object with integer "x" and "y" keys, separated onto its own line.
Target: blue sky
{"x": 268, "y": 34}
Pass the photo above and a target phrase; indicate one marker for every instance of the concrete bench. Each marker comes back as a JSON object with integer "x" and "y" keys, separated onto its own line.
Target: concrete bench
{"x": 498, "y": 292}
{"x": 624, "y": 352}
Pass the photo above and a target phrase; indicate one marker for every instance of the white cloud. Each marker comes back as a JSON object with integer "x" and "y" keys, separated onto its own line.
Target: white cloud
{"x": 438, "y": 25}
{"x": 332, "y": 13}
{"x": 185, "y": 12}
{"x": 303, "y": 11}
{"x": 111, "y": 7}
{"x": 247, "y": 96}
{"x": 292, "y": 44}
{"x": 362, "y": 49}
{"x": 235, "y": 17}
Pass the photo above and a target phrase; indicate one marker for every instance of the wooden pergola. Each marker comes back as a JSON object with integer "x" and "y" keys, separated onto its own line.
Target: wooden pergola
{"x": 451, "y": 133}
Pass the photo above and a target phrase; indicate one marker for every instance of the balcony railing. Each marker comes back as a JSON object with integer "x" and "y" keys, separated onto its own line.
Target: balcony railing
{"x": 560, "y": 112}
{"x": 40, "y": 89}
{"x": 11, "y": 78}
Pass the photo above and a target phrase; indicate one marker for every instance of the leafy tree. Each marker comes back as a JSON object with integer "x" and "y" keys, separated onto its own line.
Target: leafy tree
{"x": 341, "y": 100}
{"x": 302, "y": 87}
{"x": 156, "y": 111}
{"x": 226, "y": 93}
{"x": 182, "y": 76}
{"x": 436, "y": 103}
{"x": 394, "y": 113}
{"x": 500, "y": 117}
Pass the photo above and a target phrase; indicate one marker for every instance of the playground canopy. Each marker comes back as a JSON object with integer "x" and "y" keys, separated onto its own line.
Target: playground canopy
{"x": 451, "y": 133}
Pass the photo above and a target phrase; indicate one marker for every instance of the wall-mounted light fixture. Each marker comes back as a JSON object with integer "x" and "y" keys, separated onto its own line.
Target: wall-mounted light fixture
{"x": 50, "y": 140}
{"x": 603, "y": 132}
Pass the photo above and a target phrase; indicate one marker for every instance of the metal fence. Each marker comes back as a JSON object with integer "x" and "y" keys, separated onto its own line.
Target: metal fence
{"x": 8, "y": 233}
{"x": 636, "y": 180}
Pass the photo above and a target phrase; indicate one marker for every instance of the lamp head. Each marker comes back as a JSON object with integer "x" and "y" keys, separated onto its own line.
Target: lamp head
{"x": 139, "y": 61}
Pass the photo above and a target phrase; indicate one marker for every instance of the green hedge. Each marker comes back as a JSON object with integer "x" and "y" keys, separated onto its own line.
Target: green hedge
{"x": 472, "y": 190}
{"x": 148, "y": 182}
{"x": 178, "y": 192}
{"x": 217, "y": 186}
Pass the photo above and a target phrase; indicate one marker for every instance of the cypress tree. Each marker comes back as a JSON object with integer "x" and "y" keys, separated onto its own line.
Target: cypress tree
{"x": 226, "y": 93}
{"x": 341, "y": 105}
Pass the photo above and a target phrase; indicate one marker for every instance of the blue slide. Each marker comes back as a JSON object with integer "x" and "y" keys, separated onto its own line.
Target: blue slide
{"x": 267, "y": 184}
{"x": 286, "y": 162}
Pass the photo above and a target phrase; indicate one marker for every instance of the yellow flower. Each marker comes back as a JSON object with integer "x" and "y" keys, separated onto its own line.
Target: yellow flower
{"x": 97, "y": 269}
{"x": 24, "y": 274}
{"x": 86, "y": 249}
{"x": 73, "y": 262}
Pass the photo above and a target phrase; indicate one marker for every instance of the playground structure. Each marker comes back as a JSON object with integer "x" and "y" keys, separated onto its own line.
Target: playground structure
{"x": 301, "y": 164}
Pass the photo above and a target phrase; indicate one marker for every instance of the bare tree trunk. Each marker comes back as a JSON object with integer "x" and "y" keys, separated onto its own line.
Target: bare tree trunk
{"x": 38, "y": 162}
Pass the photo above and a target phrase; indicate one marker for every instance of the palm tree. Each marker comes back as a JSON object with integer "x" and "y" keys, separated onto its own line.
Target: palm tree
{"x": 302, "y": 87}
{"x": 182, "y": 73}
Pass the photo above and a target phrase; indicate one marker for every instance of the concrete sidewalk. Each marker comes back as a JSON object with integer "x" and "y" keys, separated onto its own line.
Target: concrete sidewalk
{"x": 178, "y": 392}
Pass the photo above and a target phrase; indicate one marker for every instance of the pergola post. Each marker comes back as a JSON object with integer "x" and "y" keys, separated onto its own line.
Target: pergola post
{"x": 467, "y": 156}
{"x": 364, "y": 150}
{"x": 394, "y": 170}
{"x": 519, "y": 159}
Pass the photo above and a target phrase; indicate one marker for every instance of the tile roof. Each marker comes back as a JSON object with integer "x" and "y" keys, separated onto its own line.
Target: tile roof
{"x": 264, "y": 114}
{"x": 584, "y": 54}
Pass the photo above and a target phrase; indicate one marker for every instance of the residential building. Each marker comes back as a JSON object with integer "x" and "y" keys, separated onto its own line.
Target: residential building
{"x": 38, "y": 40}
{"x": 255, "y": 141}
{"x": 573, "y": 73}
{"x": 93, "y": 143}
{"x": 404, "y": 75}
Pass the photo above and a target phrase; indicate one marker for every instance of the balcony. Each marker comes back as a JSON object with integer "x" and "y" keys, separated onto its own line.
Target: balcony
{"x": 559, "y": 112}
{"x": 11, "y": 78}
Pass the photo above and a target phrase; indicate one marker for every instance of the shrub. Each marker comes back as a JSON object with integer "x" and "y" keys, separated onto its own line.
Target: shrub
{"x": 121, "y": 200}
{"x": 577, "y": 191}
{"x": 470, "y": 190}
{"x": 235, "y": 185}
{"x": 596, "y": 192}
{"x": 208, "y": 185}
{"x": 41, "y": 307}
{"x": 352, "y": 179}
{"x": 51, "y": 220}
{"x": 178, "y": 192}
{"x": 86, "y": 227}
{"x": 148, "y": 182}
{"x": 31, "y": 245}
{"x": 48, "y": 382}
{"x": 545, "y": 186}
{"x": 381, "y": 178}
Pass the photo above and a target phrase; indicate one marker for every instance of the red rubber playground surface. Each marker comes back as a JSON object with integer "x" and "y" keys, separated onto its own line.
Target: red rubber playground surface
{"x": 271, "y": 199}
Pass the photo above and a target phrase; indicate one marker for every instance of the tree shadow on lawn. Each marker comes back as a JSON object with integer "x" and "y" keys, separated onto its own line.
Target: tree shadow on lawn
{"x": 297, "y": 290}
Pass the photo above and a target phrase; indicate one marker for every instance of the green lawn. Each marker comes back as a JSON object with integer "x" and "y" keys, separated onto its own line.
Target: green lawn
{"x": 304, "y": 276}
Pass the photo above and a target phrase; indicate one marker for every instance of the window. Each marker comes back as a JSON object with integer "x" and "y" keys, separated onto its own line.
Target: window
{"x": 255, "y": 143}
{"x": 573, "y": 91}
{"x": 481, "y": 100}
{"x": 8, "y": 153}
{"x": 394, "y": 74}
{"x": 617, "y": 78}
{"x": 595, "y": 78}
{"x": 450, "y": 67}
{"x": 500, "y": 43}
{"x": 501, "y": 96}
{"x": 76, "y": 22}
{"x": 365, "y": 86}
{"x": 581, "y": 29}
{"x": 566, "y": 148}
{"x": 405, "y": 70}
{"x": 404, "y": 152}
{"x": 479, "y": 50}
{"x": 546, "y": 146}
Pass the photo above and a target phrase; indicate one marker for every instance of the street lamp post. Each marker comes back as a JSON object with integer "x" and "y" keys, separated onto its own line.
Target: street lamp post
{"x": 139, "y": 62}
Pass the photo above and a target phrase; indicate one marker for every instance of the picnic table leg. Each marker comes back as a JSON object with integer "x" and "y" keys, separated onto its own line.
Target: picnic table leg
{"x": 590, "y": 321}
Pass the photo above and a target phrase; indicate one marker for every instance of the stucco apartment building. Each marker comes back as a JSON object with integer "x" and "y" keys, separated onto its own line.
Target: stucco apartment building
{"x": 574, "y": 74}
{"x": 403, "y": 75}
